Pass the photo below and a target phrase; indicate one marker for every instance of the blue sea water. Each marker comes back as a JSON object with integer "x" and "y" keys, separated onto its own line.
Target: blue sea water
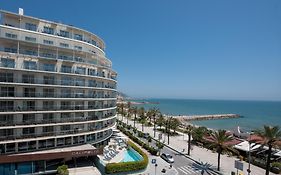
{"x": 254, "y": 114}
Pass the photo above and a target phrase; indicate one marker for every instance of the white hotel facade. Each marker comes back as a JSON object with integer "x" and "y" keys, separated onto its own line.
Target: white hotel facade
{"x": 57, "y": 91}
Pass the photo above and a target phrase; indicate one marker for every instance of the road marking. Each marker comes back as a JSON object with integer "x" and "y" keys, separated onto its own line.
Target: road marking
{"x": 188, "y": 170}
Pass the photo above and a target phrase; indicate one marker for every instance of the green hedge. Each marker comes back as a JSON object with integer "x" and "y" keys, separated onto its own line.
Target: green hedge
{"x": 128, "y": 166}
{"x": 150, "y": 149}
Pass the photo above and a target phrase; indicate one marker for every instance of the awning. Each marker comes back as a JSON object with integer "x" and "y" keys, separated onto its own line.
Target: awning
{"x": 57, "y": 153}
{"x": 244, "y": 146}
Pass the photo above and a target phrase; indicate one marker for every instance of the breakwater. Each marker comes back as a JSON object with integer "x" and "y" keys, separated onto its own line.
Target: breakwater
{"x": 207, "y": 117}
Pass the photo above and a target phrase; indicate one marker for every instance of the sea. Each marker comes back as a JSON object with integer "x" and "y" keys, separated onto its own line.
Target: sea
{"x": 254, "y": 114}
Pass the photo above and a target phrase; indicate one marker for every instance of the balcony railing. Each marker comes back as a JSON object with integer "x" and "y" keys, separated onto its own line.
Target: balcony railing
{"x": 53, "y": 108}
{"x": 66, "y": 82}
{"x": 54, "y": 134}
{"x": 53, "y": 95}
{"x": 55, "y": 121}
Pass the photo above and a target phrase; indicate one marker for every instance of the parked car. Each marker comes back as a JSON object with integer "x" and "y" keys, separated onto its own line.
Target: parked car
{"x": 146, "y": 135}
{"x": 167, "y": 157}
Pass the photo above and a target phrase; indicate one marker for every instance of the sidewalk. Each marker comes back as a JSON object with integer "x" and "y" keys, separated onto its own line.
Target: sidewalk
{"x": 201, "y": 154}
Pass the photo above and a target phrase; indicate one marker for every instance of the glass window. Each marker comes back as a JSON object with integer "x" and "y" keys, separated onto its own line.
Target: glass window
{"x": 48, "y": 30}
{"x": 29, "y": 92}
{"x": 64, "y": 45}
{"x": 7, "y": 92}
{"x": 30, "y": 65}
{"x": 94, "y": 42}
{"x": 27, "y": 131}
{"x": 80, "y": 82}
{"x": 6, "y": 105}
{"x": 80, "y": 70}
{"x": 78, "y": 47}
{"x": 64, "y": 33}
{"x": 10, "y": 35}
{"x": 28, "y": 78}
{"x": 48, "y": 42}
{"x": 67, "y": 81}
{"x": 66, "y": 69}
{"x": 49, "y": 67}
{"x": 6, "y": 77}
{"x": 29, "y": 26}
{"x": 30, "y": 39}
{"x": 65, "y": 93}
{"x": 91, "y": 72}
{"x": 6, "y": 62}
{"x": 48, "y": 92}
{"x": 49, "y": 80}
{"x": 78, "y": 37}
{"x": 11, "y": 50}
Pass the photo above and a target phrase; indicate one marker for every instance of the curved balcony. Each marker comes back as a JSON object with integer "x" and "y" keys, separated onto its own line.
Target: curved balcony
{"x": 42, "y": 123}
{"x": 50, "y": 135}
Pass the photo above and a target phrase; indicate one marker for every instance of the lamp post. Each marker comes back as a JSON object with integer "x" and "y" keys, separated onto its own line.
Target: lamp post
{"x": 249, "y": 157}
{"x": 155, "y": 168}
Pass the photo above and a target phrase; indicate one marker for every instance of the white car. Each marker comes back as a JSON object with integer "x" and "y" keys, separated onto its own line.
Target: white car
{"x": 167, "y": 157}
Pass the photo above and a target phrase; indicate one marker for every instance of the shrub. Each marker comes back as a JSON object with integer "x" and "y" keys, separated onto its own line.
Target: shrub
{"x": 128, "y": 166}
{"x": 62, "y": 170}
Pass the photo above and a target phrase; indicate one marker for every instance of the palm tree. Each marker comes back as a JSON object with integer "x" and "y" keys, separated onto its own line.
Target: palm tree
{"x": 121, "y": 109}
{"x": 135, "y": 111}
{"x": 142, "y": 116}
{"x": 203, "y": 167}
{"x": 220, "y": 141}
{"x": 154, "y": 113}
{"x": 189, "y": 130}
{"x": 160, "y": 121}
{"x": 269, "y": 136}
{"x": 174, "y": 124}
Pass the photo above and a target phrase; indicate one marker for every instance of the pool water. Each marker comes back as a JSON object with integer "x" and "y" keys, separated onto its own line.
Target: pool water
{"x": 131, "y": 155}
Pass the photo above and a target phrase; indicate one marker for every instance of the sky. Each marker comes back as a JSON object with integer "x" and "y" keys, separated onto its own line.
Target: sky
{"x": 187, "y": 49}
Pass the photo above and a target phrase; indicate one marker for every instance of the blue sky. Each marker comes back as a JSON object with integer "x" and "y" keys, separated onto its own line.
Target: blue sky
{"x": 181, "y": 49}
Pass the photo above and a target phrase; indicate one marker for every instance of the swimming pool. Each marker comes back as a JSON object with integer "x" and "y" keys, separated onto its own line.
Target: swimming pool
{"x": 131, "y": 155}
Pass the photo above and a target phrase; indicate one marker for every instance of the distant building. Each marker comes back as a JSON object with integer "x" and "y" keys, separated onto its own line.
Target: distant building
{"x": 57, "y": 94}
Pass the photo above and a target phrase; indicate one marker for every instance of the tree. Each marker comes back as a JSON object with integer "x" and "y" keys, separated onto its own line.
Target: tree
{"x": 154, "y": 113}
{"x": 199, "y": 133}
{"x": 174, "y": 124}
{"x": 121, "y": 109}
{"x": 160, "y": 146}
{"x": 220, "y": 141}
{"x": 160, "y": 121}
{"x": 268, "y": 136}
{"x": 142, "y": 117}
{"x": 135, "y": 112}
{"x": 189, "y": 130}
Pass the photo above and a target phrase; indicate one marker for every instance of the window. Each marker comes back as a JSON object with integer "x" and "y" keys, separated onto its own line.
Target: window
{"x": 48, "y": 30}
{"x": 94, "y": 42}
{"x": 66, "y": 69}
{"x": 48, "y": 117}
{"x": 64, "y": 45}
{"x": 7, "y": 92}
{"x": 28, "y": 118}
{"x": 29, "y": 92}
{"x": 48, "y": 129}
{"x": 7, "y": 62}
{"x": 48, "y": 105}
{"x": 80, "y": 70}
{"x": 10, "y": 35}
{"x": 65, "y": 105}
{"x": 29, "y": 105}
{"x": 49, "y": 80}
{"x": 30, "y": 39}
{"x": 11, "y": 50}
{"x": 66, "y": 81}
{"x": 6, "y": 77}
{"x": 6, "y": 105}
{"x": 92, "y": 83}
{"x": 49, "y": 67}
{"x": 48, "y": 42}
{"x": 65, "y": 128}
{"x": 78, "y": 37}
{"x": 64, "y": 33}
{"x": 48, "y": 92}
{"x": 91, "y": 72}
{"x": 6, "y": 118}
{"x": 80, "y": 82}
{"x": 65, "y": 93}
{"x": 30, "y": 65}
{"x": 78, "y": 47}
{"x": 29, "y": 26}
{"x": 27, "y": 131}
{"x": 6, "y": 132}
{"x": 28, "y": 78}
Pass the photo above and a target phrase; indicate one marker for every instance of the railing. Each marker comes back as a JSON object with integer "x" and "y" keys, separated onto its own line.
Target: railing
{"x": 53, "y": 95}
{"x": 66, "y": 82}
{"x": 51, "y": 108}
{"x": 54, "y": 134}
{"x": 53, "y": 121}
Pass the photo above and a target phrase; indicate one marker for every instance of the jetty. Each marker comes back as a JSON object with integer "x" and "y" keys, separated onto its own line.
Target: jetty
{"x": 207, "y": 117}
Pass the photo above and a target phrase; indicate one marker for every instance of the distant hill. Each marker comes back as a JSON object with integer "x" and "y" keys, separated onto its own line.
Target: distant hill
{"x": 122, "y": 96}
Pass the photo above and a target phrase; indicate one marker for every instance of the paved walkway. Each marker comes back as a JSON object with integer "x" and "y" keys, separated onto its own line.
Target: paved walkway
{"x": 89, "y": 170}
{"x": 201, "y": 154}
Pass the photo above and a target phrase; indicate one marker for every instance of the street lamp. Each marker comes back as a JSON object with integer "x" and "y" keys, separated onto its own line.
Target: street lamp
{"x": 249, "y": 157}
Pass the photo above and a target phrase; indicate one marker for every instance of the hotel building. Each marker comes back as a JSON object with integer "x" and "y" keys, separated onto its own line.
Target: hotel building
{"x": 57, "y": 94}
